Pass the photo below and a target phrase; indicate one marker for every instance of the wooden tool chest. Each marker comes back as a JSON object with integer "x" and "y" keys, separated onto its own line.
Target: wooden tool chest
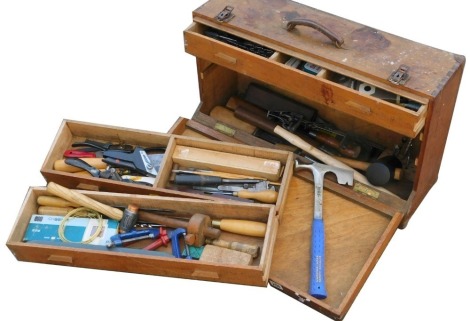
{"x": 359, "y": 220}
{"x": 367, "y": 82}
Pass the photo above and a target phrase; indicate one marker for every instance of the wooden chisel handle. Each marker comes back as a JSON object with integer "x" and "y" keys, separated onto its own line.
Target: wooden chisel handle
{"x": 243, "y": 227}
{"x": 60, "y": 165}
{"x": 267, "y": 196}
{"x": 52, "y": 210}
{"x": 83, "y": 200}
{"x": 54, "y": 201}
{"x": 354, "y": 163}
{"x": 174, "y": 223}
{"x": 352, "y": 151}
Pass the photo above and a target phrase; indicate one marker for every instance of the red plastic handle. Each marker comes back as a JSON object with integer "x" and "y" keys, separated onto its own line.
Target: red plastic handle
{"x": 78, "y": 154}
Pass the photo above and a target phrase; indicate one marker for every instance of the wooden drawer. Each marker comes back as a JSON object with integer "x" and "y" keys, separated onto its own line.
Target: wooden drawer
{"x": 226, "y": 71}
{"x": 315, "y": 88}
{"x": 284, "y": 251}
{"x": 276, "y": 163}
{"x": 96, "y": 257}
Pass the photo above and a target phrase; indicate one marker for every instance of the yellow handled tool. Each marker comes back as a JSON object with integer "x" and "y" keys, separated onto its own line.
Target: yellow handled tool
{"x": 83, "y": 200}
{"x": 243, "y": 227}
{"x": 268, "y": 196}
{"x": 261, "y": 192}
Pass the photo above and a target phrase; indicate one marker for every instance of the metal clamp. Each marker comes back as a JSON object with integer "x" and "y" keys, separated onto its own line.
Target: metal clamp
{"x": 400, "y": 76}
{"x": 225, "y": 15}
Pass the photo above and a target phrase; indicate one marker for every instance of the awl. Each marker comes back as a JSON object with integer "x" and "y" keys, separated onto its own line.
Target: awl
{"x": 268, "y": 196}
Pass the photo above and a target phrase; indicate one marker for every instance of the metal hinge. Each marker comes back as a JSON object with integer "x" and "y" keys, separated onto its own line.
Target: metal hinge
{"x": 225, "y": 15}
{"x": 400, "y": 76}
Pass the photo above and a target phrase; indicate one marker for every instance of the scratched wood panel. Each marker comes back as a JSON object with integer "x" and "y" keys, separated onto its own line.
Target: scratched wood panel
{"x": 353, "y": 234}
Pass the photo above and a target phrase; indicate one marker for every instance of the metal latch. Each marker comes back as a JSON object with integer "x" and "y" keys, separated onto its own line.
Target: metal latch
{"x": 400, "y": 76}
{"x": 225, "y": 15}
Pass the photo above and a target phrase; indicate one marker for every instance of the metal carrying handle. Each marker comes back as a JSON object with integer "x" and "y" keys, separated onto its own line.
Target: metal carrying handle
{"x": 337, "y": 40}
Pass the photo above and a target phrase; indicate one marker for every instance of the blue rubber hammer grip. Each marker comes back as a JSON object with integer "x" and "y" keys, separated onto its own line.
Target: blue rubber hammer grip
{"x": 317, "y": 266}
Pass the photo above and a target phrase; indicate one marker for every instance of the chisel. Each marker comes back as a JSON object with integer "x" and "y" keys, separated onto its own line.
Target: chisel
{"x": 268, "y": 196}
{"x": 243, "y": 227}
{"x": 200, "y": 180}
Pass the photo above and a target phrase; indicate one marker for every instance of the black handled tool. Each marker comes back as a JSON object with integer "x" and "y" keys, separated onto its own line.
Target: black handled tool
{"x": 95, "y": 172}
{"x": 200, "y": 180}
{"x": 137, "y": 160}
{"x": 77, "y": 162}
{"x": 92, "y": 145}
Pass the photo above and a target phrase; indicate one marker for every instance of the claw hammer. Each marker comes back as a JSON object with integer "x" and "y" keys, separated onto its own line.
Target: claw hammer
{"x": 317, "y": 260}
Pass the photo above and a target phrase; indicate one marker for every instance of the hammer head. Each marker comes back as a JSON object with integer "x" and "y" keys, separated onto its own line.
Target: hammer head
{"x": 343, "y": 176}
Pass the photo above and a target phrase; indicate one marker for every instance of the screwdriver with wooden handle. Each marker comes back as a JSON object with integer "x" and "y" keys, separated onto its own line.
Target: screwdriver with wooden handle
{"x": 242, "y": 227}
{"x": 200, "y": 181}
{"x": 268, "y": 196}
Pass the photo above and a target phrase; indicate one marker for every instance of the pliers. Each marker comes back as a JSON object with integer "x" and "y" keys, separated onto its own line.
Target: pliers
{"x": 136, "y": 160}
{"x": 95, "y": 172}
{"x": 92, "y": 146}
{"x": 94, "y": 149}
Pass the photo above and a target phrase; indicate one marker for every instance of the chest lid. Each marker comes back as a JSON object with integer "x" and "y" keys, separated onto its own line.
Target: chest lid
{"x": 372, "y": 54}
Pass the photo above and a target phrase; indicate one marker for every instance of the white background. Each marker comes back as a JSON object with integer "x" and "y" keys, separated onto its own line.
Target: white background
{"x": 123, "y": 63}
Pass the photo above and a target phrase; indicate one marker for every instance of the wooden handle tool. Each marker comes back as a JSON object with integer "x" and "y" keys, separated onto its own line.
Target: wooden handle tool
{"x": 198, "y": 227}
{"x": 52, "y": 210}
{"x": 253, "y": 250}
{"x": 318, "y": 154}
{"x": 83, "y": 200}
{"x": 242, "y": 227}
{"x": 54, "y": 201}
{"x": 259, "y": 120}
{"x": 60, "y": 165}
{"x": 267, "y": 196}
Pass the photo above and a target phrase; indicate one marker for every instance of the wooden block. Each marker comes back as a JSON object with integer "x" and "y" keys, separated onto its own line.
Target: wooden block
{"x": 227, "y": 162}
{"x": 227, "y": 116}
{"x": 225, "y": 256}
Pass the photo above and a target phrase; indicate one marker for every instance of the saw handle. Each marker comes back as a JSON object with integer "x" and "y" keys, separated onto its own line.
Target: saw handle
{"x": 317, "y": 264}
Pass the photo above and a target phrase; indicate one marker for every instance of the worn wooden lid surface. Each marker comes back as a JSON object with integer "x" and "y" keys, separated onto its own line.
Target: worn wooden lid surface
{"x": 373, "y": 53}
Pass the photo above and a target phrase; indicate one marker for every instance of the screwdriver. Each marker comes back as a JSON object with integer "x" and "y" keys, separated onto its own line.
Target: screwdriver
{"x": 201, "y": 180}
{"x": 268, "y": 196}
{"x": 242, "y": 227}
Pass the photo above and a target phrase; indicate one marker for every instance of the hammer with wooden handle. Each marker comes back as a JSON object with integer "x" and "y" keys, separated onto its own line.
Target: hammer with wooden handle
{"x": 244, "y": 112}
{"x": 83, "y": 200}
